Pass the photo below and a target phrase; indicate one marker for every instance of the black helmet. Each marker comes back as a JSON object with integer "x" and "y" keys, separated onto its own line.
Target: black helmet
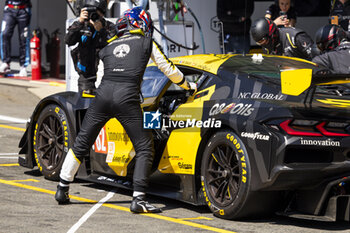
{"x": 264, "y": 32}
{"x": 329, "y": 37}
{"x": 100, "y": 4}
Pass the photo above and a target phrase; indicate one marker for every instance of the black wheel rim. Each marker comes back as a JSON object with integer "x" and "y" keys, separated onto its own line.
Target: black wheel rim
{"x": 223, "y": 175}
{"x": 50, "y": 142}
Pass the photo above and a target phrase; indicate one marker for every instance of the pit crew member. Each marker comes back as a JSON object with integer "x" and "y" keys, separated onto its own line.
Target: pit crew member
{"x": 125, "y": 59}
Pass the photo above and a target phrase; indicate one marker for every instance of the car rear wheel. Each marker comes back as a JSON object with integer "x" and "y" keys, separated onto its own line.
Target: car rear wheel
{"x": 51, "y": 141}
{"x": 226, "y": 178}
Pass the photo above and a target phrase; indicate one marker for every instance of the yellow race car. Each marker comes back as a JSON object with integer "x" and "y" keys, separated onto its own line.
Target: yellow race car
{"x": 261, "y": 134}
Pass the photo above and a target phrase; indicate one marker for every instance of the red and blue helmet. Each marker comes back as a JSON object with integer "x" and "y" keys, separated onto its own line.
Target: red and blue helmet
{"x": 134, "y": 18}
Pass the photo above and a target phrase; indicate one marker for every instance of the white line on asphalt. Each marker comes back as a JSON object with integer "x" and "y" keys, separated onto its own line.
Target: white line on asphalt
{"x": 8, "y": 154}
{"x": 13, "y": 119}
{"x": 90, "y": 212}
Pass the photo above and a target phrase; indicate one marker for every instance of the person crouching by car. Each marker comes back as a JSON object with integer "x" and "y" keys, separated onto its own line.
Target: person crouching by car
{"x": 125, "y": 59}
{"x": 332, "y": 42}
{"x": 287, "y": 41}
{"x": 90, "y": 32}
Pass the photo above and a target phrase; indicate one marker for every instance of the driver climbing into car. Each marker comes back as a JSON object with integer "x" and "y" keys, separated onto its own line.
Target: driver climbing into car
{"x": 125, "y": 59}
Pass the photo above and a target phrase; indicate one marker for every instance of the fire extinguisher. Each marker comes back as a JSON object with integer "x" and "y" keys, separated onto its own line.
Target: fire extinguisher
{"x": 35, "y": 56}
{"x": 55, "y": 54}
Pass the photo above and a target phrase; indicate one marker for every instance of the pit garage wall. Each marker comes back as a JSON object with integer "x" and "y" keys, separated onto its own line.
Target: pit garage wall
{"x": 52, "y": 14}
{"x": 206, "y": 9}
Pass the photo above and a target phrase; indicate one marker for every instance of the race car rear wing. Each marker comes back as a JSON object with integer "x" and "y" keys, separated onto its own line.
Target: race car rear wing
{"x": 295, "y": 82}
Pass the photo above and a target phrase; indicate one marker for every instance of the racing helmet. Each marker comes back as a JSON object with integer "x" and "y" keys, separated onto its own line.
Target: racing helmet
{"x": 135, "y": 18}
{"x": 329, "y": 37}
{"x": 265, "y": 32}
{"x": 99, "y": 4}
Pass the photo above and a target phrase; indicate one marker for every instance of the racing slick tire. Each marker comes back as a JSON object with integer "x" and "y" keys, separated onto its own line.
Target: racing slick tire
{"x": 51, "y": 140}
{"x": 226, "y": 179}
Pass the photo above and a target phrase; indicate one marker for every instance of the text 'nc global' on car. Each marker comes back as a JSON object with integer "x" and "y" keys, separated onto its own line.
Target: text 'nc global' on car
{"x": 262, "y": 134}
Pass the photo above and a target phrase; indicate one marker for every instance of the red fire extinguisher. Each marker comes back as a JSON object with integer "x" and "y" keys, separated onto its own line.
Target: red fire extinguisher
{"x": 55, "y": 55}
{"x": 35, "y": 57}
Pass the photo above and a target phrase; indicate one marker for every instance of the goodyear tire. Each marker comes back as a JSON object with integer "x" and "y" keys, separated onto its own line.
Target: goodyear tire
{"x": 226, "y": 175}
{"x": 51, "y": 140}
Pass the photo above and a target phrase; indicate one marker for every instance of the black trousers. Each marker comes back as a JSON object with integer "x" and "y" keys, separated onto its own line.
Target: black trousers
{"x": 122, "y": 101}
{"x": 11, "y": 18}
{"x": 86, "y": 82}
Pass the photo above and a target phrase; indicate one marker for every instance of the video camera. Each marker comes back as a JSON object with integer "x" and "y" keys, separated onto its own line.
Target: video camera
{"x": 92, "y": 13}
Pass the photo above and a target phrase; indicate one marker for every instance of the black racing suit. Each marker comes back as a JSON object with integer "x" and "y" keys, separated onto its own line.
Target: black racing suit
{"x": 337, "y": 60}
{"x": 118, "y": 96}
{"x": 85, "y": 55}
{"x": 294, "y": 42}
{"x": 16, "y": 12}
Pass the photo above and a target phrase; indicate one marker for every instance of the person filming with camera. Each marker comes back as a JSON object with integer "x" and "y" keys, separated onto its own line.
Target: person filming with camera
{"x": 282, "y": 13}
{"x": 91, "y": 32}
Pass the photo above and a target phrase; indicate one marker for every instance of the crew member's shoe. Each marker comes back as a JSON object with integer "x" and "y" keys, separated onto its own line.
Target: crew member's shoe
{"x": 4, "y": 68}
{"x": 62, "y": 195}
{"x": 140, "y": 205}
{"x": 22, "y": 72}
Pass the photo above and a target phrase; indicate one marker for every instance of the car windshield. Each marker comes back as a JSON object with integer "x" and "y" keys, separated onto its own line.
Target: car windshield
{"x": 267, "y": 66}
{"x": 153, "y": 82}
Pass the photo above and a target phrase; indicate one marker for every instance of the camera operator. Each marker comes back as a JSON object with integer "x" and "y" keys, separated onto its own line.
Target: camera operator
{"x": 282, "y": 13}
{"x": 91, "y": 31}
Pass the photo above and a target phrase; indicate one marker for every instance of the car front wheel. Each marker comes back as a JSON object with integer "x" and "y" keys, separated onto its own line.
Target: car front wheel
{"x": 51, "y": 140}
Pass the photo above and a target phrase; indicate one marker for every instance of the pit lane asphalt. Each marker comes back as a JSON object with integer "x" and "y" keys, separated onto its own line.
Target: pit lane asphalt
{"x": 27, "y": 199}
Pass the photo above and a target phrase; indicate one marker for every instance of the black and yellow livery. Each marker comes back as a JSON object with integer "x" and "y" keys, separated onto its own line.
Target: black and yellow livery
{"x": 261, "y": 134}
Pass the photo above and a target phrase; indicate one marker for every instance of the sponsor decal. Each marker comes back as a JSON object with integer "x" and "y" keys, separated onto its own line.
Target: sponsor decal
{"x": 236, "y": 144}
{"x": 254, "y": 136}
{"x": 119, "y": 137}
{"x": 227, "y": 108}
{"x": 233, "y": 108}
{"x": 183, "y": 165}
{"x": 327, "y": 142}
{"x": 257, "y": 95}
{"x": 152, "y": 120}
{"x": 110, "y": 154}
{"x": 65, "y": 127}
